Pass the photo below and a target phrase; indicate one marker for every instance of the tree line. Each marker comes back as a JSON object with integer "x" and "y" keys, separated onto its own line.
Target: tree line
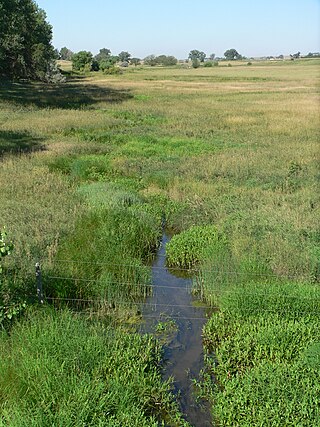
{"x": 26, "y": 49}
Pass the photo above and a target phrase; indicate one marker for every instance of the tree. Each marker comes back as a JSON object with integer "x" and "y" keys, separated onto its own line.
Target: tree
{"x": 167, "y": 61}
{"x": 197, "y": 54}
{"x": 65, "y": 54}
{"x": 108, "y": 63}
{"x": 150, "y": 60}
{"x": 25, "y": 42}
{"x": 124, "y": 56}
{"x": 82, "y": 61}
{"x": 103, "y": 55}
{"x": 212, "y": 56}
{"x": 232, "y": 54}
{"x": 135, "y": 61}
{"x": 295, "y": 55}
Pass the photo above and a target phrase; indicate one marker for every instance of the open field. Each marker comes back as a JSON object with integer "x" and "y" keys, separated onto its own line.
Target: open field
{"x": 89, "y": 169}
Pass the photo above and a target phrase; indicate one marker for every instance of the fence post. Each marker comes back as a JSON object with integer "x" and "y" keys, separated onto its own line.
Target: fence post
{"x": 39, "y": 284}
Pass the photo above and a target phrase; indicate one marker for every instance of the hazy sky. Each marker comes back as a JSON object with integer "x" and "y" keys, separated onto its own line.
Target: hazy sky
{"x": 174, "y": 27}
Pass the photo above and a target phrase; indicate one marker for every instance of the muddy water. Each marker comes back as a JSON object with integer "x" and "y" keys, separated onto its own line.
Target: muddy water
{"x": 173, "y": 305}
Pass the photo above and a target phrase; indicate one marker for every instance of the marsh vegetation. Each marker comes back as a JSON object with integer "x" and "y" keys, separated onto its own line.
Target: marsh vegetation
{"x": 88, "y": 170}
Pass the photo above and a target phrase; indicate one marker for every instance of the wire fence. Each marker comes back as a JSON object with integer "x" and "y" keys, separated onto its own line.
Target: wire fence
{"x": 148, "y": 307}
{"x": 190, "y": 271}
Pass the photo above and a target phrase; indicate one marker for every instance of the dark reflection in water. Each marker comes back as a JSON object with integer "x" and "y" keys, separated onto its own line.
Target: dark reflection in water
{"x": 173, "y": 304}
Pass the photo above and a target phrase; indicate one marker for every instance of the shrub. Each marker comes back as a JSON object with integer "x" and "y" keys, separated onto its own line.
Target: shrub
{"x": 195, "y": 63}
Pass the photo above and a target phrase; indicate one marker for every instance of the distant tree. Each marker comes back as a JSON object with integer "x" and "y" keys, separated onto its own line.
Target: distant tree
{"x": 169, "y": 61}
{"x": 25, "y": 40}
{"x": 313, "y": 55}
{"x": 212, "y": 56}
{"x": 295, "y": 55}
{"x": 108, "y": 63}
{"x": 124, "y": 56}
{"x": 232, "y": 54}
{"x": 135, "y": 61}
{"x": 150, "y": 60}
{"x": 82, "y": 61}
{"x": 65, "y": 54}
{"x": 103, "y": 55}
{"x": 197, "y": 54}
{"x": 165, "y": 60}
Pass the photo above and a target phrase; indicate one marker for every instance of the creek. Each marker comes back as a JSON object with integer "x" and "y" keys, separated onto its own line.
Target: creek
{"x": 177, "y": 318}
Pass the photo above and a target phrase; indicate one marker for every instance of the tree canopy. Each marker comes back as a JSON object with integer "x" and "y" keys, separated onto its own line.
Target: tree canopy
{"x": 160, "y": 60}
{"x": 232, "y": 54}
{"x": 65, "y": 54}
{"x": 82, "y": 61}
{"x": 197, "y": 55}
{"x": 103, "y": 55}
{"x": 25, "y": 43}
{"x": 124, "y": 56}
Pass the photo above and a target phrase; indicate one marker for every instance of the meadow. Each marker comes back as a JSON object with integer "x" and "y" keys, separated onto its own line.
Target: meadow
{"x": 229, "y": 157}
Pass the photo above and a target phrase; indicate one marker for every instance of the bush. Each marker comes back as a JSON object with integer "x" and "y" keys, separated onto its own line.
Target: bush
{"x": 195, "y": 63}
{"x": 112, "y": 70}
{"x": 208, "y": 64}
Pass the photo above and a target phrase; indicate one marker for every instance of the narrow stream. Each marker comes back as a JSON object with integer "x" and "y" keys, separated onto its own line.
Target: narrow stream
{"x": 172, "y": 304}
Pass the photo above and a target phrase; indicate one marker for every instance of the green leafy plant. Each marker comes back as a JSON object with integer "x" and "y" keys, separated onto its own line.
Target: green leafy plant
{"x": 5, "y": 246}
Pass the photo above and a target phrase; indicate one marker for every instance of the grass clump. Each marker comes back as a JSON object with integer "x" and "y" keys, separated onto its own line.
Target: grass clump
{"x": 115, "y": 380}
{"x": 187, "y": 249}
{"x": 106, "y": 255}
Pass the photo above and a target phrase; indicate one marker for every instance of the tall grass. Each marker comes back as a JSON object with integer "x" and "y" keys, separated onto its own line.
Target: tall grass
{"x": 58, "y": 369}
{"x": 229, "y": 147}
{"x": 106, "y": 257}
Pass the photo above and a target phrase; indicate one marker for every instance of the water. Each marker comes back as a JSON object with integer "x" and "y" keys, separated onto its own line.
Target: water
{"x": 172, "y": 302}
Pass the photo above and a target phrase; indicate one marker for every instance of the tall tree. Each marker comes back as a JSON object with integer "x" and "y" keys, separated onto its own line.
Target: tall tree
{"x": 25, "y": 40}
{"x": 65, "y": 54}
{"x": 197, "y": 54}
{"x": 135, "y": 61}
{"x": 124, "y": 56}
{"x": 103, "y": 55}
{"x": 150, "y": 60}
{"x": 232, "y": 54}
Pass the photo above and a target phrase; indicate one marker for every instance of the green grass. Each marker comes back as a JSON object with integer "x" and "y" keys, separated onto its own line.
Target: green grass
{"x": 115, "y": 380}
{"x": 89, "y": 169}
{"x": 265, "y": 342}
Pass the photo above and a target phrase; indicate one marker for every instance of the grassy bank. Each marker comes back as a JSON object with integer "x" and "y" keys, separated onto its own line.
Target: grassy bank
{"x": 90, "y": 168}
{"x": 115, "y": 380}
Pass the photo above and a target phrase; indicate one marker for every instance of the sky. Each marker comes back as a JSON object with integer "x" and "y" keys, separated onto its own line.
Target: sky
{"x": 174, "y": 27}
